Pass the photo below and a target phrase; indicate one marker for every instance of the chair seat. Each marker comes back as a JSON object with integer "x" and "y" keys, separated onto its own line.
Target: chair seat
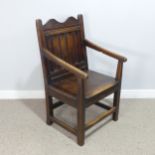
{"x": 95, "y": 84}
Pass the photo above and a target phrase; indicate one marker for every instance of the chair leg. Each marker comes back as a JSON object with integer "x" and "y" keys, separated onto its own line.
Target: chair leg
{"x": 49, "y": 109}
{"x": 116, "y": 104}
{"x": 80, "y": 125}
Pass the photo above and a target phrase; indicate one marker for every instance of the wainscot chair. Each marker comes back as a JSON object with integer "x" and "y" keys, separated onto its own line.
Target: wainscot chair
{"x": 67, "y": 77}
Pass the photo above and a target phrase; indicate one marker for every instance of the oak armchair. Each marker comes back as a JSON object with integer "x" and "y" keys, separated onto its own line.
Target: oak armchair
{"x": 67, "y": 77}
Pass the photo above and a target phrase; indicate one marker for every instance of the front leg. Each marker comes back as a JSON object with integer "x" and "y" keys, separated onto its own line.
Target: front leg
{"x": 80, "y": 114}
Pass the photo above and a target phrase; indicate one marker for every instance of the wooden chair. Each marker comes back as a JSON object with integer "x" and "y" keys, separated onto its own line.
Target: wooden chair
{"x": 67, "y": 77}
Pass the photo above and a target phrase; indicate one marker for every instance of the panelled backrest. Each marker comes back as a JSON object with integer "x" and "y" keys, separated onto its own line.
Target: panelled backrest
{"x": 65, "y": 40}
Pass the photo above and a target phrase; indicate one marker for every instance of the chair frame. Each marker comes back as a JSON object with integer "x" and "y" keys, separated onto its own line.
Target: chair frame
{"x": 80, "y": 103}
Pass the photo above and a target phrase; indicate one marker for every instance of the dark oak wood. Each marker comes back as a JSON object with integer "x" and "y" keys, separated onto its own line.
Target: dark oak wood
{"x": 64, "y": 64}
{"x": 103, "y": 106}
{"x": 80, "y": 112}
{"x": 93, "y": 85}
{"x": 105, "y": 51}
{"x": 57, "y": 104}
{"x": 49, "y": 108}
{"x": 116, "y": 100}
{"x": 67, "y": 76}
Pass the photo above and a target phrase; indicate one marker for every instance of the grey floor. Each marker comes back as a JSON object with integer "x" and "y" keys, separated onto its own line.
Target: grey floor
{"x": 23, "y": 130}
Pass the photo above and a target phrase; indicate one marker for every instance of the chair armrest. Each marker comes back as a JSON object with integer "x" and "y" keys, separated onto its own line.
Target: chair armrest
{"x": 105, "y": 51}
{"x": 64, "y": 64}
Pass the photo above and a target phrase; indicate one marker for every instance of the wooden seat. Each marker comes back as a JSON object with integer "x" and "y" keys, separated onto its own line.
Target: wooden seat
{"x": 67, "y": 76}
{"x": 95, "y": 84}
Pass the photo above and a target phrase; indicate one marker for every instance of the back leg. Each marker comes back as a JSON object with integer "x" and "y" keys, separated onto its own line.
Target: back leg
{"x": 49, "y": 109}
{"x": 116, "y": 102}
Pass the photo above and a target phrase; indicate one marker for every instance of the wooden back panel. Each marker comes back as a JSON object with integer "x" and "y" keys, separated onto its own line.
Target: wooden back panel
{"x": 65, "y": 40}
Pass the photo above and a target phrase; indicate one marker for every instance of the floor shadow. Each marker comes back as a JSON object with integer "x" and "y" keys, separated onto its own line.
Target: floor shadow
{"x": 98, "y": 127}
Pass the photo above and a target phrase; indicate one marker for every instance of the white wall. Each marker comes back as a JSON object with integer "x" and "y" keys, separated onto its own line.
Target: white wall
{"x": 126, "y": 26}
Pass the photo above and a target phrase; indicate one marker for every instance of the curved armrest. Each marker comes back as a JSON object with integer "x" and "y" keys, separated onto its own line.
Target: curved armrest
{"x": 64, "y": 64}
{"x": 105, "y": 51}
